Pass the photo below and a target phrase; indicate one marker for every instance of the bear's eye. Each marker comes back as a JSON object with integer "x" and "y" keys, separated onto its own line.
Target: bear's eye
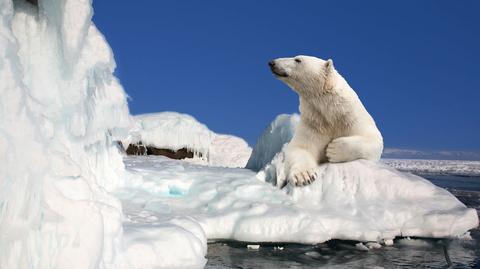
{"x": 298, "y": 60}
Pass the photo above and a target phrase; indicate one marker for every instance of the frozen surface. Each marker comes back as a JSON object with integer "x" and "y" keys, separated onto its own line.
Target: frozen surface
{"x": 171, "y": 130}
{"x": 357, "y": 201}
{"x": 61, "y": 110}
{"x": 272, "y": 140}
{"x": 229, "y": 151}
{"x": 395, "y": 153}
{"x": 174, "y": 131}
{"x": 174, "y": 242}
{"x": 401, "y": 253}
{"x": 447, "y": 167}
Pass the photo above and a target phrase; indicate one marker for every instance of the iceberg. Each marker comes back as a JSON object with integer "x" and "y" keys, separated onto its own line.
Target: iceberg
{"x": 61, "y": 108}
{"x": 171, "y": 130}
{"x": 359, "y": 200}
{"x": 61, "y": 111}
{"x": 175, "y": 131}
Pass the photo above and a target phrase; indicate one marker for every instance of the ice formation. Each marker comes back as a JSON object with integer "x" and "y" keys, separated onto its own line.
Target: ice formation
{"x": 229, "y": 151}
{"x": 60, "y": 108}
{"x": 412, "y": 154}
{"x": 268, "y": 155}
{"x": 359, "y": 200}
{"x": 61, "y": 111}
{"x": 272, "y": 140}
{"x": 174, "y": 131}
{"x": 171, "y": 130}
{"x": 446, "y": 167}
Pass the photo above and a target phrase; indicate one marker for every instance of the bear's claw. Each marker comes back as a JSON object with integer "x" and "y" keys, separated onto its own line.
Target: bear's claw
{"x": 304, "y": 178}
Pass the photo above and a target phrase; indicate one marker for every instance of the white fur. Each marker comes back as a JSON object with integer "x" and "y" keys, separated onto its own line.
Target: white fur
{"x": 334, "y": 126}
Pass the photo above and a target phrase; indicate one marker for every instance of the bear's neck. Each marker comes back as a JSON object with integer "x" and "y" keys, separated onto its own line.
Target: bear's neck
{"x": 326, "y": 112}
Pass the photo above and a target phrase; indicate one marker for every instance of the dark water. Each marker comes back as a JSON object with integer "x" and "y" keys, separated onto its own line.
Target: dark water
{"x": 454, "y": 182}
{"x": 404, "y": 253}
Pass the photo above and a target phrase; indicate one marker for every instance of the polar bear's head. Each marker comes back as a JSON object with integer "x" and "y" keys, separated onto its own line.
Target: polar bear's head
{"x": 304, "y": 74}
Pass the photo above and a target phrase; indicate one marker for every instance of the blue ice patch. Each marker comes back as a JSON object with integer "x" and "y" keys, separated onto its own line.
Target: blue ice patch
{"x": 175, "y": 191}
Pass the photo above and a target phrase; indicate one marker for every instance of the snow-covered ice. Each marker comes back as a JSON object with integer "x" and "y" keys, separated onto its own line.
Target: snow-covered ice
{"x": 447, "y": 167}
{"x": 174, "y": 131}
{"x": 171, "y": 130}
{"x": 61, "y": 111}
{"x": 272, "y": 140}
{"x": 359, "y": 200}
{"x": 396, "y": 153}
{"x": 229, "y": 151}
{"x": 178, "y": 242}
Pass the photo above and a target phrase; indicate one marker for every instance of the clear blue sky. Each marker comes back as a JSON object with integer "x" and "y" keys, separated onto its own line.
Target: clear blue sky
{"x": 415, "y": 64}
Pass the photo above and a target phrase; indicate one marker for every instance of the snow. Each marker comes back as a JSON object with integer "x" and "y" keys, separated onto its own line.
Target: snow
{"x": 361, "y": 246}
{"x": 359, "y": 200}
{"x": 176, "y": 243}
{"x": 373, "y": 245}
{"x": 447, "y": 167}
{"x": 174, "y": 131}
{"x": 61, "y": 108}
{"x": 253, "y": 247}
{"x": 268, "y": 156}
{"x": 171, "y": 130}
{"x": 61, "y": 112}
{"x": 279, "y": 132}
{"x": 395, "y": 153}
{"x": 229, "y": 151}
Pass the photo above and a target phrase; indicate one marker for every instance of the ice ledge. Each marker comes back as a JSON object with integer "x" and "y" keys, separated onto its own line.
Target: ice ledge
{"x": 368, "y": 201}
{"x": 359, "y": 200}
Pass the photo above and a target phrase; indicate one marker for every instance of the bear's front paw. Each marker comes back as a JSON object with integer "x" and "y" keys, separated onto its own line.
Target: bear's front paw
{"x": 340, "y": 150}
{"x": 303, "y": 178}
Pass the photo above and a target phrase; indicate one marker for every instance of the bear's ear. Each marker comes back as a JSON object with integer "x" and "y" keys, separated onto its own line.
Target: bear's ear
{"x": 329, "y": 64}
{"x": 329, "y": 75}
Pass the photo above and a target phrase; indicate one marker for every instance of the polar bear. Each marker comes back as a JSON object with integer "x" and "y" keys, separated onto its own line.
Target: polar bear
{"x": 334, "y": 125}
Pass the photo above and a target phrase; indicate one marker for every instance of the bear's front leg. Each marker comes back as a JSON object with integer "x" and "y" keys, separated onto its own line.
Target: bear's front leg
{"x": 303, "y": 154}
{"x": 349, "y": 148}
{"x": 301, "y": 166}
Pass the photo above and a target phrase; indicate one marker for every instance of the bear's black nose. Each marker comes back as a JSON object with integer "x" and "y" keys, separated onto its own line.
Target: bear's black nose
{"x": 271, "y": 63}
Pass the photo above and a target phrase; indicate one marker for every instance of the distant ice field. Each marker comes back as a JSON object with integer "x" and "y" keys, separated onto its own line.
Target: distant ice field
{"x": 438, "y": 167}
